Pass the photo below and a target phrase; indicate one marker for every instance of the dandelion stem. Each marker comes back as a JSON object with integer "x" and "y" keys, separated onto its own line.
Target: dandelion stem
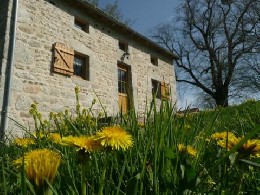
{"x": 83, "y": 179}
{"x": 103, "y": 175}
{"x": 239, "y": 183}
{"x": 121, "y": 177}
{"x": 48, "y": 191}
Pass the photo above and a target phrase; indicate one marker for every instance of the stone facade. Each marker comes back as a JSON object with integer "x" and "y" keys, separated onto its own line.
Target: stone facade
{"x": 42, "y": 23}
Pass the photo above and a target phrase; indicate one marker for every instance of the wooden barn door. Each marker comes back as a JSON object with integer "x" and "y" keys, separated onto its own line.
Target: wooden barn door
{"x": 123, "y": 88}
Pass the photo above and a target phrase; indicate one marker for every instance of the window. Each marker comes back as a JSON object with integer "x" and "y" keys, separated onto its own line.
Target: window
{"x": 160, "y": 90}
{"x": 81, "y": 66}
{"x": 156, "y": 89}
{"x": 154, "y": 61}
{"x": 122, "y": 80}
{"x": 82, "y": 25}
{"x": 67, "y": 62}
{"x": 52, "y": 2}
{"x": 123, "y": 46}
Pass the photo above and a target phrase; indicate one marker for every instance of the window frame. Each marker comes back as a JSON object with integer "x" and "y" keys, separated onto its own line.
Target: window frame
{"x": 154, "y": 60}
{"x": 122, "y": 81}
{"x": 52, "y": 2}
{"x": 84, "y": 72}
{"x": 123, "y": 46}
{"x": 81, "y": 24}
{"x": 64, "y": 61}
{"x": 156, "y": 93}
{"x": 162, "y": 90}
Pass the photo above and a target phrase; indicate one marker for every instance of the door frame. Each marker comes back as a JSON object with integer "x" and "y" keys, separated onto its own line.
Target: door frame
{"x": 129, "y": 86}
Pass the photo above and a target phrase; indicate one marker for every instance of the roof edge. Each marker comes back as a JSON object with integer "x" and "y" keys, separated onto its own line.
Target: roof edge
{"x": 133, "y": 32}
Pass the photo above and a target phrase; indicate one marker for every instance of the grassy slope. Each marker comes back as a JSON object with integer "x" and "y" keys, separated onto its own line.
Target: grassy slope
{"x": 241, "y": 119}
{"x": 153, "y": 165}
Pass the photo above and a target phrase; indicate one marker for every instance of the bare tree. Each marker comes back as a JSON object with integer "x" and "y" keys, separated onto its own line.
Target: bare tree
{"x": 250, "y": 75}
{"x": 94, "y": 2}
{"x": 205, "y": 101}
{"x": 113, "y": 10}
{"x": 215, "y": 40}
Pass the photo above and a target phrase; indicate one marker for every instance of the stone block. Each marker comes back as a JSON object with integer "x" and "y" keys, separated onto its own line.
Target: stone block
{"x": 23, "y": 103}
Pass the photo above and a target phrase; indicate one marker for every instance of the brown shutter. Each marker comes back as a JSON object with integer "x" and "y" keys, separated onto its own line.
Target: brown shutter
{"x": 165, "y": 91}
{"x": 63, "y": 59}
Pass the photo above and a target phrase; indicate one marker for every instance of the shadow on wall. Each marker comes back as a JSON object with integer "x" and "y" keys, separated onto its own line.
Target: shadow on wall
{"x": 3, "y": 26}
{"x": 7, "y": 69}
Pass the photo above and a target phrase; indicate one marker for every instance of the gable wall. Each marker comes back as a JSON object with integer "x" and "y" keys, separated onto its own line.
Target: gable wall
{"x": 40, "y": 25}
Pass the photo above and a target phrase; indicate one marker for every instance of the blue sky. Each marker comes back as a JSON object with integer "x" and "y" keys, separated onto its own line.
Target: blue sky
{"x": 146, "y": 13}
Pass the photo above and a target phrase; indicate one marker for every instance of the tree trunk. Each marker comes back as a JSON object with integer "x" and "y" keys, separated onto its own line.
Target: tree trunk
{"x": 221, "y": 97}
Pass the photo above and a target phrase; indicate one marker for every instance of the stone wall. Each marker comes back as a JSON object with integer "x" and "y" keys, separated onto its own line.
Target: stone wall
{"x": 40, "y": 25}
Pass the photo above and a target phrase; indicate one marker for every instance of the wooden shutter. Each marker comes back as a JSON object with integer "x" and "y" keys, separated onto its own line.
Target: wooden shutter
{"x": 63, "y": 59}
{"x": 165, "y": 91}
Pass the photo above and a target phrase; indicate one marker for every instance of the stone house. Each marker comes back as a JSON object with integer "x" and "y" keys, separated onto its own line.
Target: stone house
{"x": 47, "y": 47}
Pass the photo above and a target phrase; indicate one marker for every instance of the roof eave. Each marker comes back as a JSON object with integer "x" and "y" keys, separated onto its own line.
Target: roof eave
{"x": 126, "y": 29}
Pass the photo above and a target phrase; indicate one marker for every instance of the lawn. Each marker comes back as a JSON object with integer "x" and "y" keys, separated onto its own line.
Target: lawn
{"x": 74, "y": 152}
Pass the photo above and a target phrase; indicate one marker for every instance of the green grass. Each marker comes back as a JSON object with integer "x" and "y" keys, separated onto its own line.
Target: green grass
{"x": 154, "y": 165}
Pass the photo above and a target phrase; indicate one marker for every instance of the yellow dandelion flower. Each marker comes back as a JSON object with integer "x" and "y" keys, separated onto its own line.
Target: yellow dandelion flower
{"x": 181, "y": 147}
{"x": 191, "y": 151}
{"x": 85, "y": 143}
{"x": 225, "y": 139}
{"x": 250, "y": 148}
{"x": 55, "y": 137}
{"x": 228, "y": 143}
{"x": 187, "y": 149}
{"x": 40, "y": 165}
{"x": 115, "y": 137}
{"x": 222, "y": 135}
{"x": 24, "y": 142}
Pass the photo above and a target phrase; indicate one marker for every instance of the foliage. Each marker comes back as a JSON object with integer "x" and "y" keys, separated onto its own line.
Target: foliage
{"x": 113, "y": 10}
{"x": 171, "y": 154}
{"x": 94, "y": 2}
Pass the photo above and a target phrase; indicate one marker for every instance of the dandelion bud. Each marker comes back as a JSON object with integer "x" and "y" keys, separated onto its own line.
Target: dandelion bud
{"x": 77, "y": 89}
